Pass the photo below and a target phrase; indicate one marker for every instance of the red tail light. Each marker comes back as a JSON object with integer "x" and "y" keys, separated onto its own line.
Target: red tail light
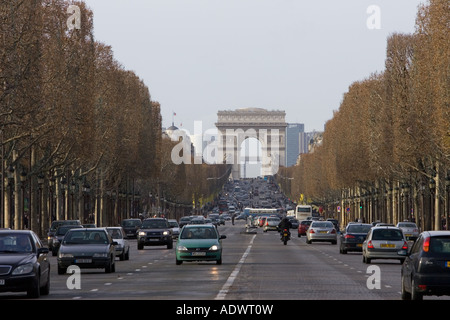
{"x": 405, "y": 246}
{"x": 333, "y": 231}
{"x": 311, "y": 231}
{"x": 426, "y": 244}
{"x": 370, "y": 245}
{"x": 349, "y": 236}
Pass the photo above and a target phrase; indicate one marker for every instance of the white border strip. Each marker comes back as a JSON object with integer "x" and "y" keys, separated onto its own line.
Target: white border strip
{"x": 223, "y": 292}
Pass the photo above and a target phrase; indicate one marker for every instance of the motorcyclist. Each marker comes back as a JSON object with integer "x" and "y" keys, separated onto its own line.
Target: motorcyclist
{"x": 285, "y": 223}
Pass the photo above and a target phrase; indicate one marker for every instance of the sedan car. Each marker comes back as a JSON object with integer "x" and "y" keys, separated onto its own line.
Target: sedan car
{"x": 122, "y": 247}
{"x": 91, "y": 248}
{"x": 384, "y": 243}
{"x": 23, "y": 263}
{"x": 353, "y": 237}
{"x": 410, "y": 230}
{"x": 321, "y": 231}
{"x": 175, "y": 227}
{"x": 54, "y": 226}
{"x": 199, "y": 243}
{"x": 426, "y": 270}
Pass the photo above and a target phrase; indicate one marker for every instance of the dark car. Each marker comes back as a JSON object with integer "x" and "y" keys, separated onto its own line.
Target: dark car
{"x": 353, "y": 237}
{"x": 91, "y": 248}
{"x": 54, "y": 226}
{"x": 59, "y": 236}
{"x": 184, "y": 221}
{"x": 155, "y": 232}
{"x": 131, "y": 227}
{"x": 23, "y": 263}
{"x": 426, "y": 269}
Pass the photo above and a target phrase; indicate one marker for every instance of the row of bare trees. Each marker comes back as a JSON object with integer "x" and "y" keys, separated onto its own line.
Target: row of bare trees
{"x": 80, "y": 135}
{"x": 386, "y": 151}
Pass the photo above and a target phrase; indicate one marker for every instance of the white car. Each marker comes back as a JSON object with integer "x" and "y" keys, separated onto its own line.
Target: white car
{"x": 173, "y": 224}
{"x": 410, "y": 230}
{"x": 122, "y": 247}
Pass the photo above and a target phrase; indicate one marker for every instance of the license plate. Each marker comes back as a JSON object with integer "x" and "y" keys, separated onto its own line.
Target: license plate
{"x": 83, "y": 261}
{"x": 359, "y": 245}
{"x": 198, "y": 254}
{"x": 447, "y": 265}
{"x": 387, "y": 245}
{"x": 2, "y": 282}
{"x": 408, "y": 235}
{"x": 323, "y": 231}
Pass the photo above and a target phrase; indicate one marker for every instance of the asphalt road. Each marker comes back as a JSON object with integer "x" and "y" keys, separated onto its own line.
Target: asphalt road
{"x": 255, "y": 267}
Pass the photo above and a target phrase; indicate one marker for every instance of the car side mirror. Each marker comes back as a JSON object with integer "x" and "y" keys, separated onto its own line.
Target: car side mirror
{"x": 42, "y": 251}
{"x": 222, "y": 237}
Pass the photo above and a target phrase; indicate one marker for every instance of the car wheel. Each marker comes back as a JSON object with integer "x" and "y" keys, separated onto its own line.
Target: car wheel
{"x": 108, "y": 267}
{"x": 219, "y": 261}
{"x": 127, "y": 255}
{"x": 34, "y": 291}
{"x": 405, "y": 294}
{"x": 140, "y": 246}
{"x": 170, "y": 245}
{"x": 178, "y": 262}
{"x": 62, "y": 270}
{"x": 415, "y": 295}
{"x": 45, "y": 290}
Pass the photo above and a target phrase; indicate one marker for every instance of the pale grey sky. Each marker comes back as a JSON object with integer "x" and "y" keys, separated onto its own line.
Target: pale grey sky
{"x": 201, "y": 56}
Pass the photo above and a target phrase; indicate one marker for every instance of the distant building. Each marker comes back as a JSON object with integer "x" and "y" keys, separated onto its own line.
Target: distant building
{"x": 295, "y": 142}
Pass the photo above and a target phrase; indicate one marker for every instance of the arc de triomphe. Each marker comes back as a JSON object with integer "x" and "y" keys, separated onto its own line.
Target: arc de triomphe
{"x": 269, "y": 127}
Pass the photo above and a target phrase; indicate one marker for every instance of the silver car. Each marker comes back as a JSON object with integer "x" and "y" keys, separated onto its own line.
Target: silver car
{"x": 122, "y": 247}
{"x": 321, "y": 231}
{"x": 271, "y": 223}
{"x": 384, "y": 243}
{"x": 410, "y": 230}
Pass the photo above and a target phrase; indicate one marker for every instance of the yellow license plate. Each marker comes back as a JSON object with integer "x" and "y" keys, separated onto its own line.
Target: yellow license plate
{"x": 448, "y": 264}
{"x": 387, "y": 245}
{"x": 323, "y": 231}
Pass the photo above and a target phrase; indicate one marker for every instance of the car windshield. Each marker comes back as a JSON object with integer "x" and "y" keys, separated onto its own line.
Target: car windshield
{"x": 440, "y": 245}
{"x": 115, "y": 233}
{"x": 86, "y": 237}
{"x": 15, "y": 243}
{"x": 154, "y": 224}
{"x": 387, "y": 234}
{"x": 359, "y": 228}
{"x": 198, "y": 233}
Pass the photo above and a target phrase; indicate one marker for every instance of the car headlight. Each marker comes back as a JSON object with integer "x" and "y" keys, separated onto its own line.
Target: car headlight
{"x": 65, "y": 255}
{"x": 142, "y": 233}
{"x": 182, "y": 248}
{"x": 166, "y": 233}
{"x": 214, "y": 248}
{"x": 23, "y": 269}
{"x": 100, "y": 255}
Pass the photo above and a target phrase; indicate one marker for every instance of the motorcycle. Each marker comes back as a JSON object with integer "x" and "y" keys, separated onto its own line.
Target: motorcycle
{"x": 285, "y": 236}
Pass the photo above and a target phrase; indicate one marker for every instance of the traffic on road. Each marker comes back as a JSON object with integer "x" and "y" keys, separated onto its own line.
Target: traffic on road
{"x": 221, "y": 255}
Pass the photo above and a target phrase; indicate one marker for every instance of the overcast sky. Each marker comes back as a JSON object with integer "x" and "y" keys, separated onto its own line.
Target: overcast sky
{"x": 201, "y": 56}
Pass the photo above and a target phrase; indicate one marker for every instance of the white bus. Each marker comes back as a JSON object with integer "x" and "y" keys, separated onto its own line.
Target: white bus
{"x": 260, "y": 211}
{"x": 303, "y": 212}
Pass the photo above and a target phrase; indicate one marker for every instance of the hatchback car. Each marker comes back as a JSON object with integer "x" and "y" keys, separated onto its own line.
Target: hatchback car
{"x": 410, "y": 230}
{"x": 353, "y": 237}
{"x": 321, "y": 231}
{"x": 199, "y": 243}
{"x": 426, "y": 270}
{"x": 122, "y": 247}
{"x": 23, "y": 263}
{"x": 303, "y": 227}
{"x": 271, "y": 223}
{"x": 91, "y": 248}
{"x": 384, "y": 243}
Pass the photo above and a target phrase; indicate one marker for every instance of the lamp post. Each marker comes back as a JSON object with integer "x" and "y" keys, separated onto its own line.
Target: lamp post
{"x": 432, "y": 185}
{"x": 9, "y": 209}
{"x": 23, "y": 178}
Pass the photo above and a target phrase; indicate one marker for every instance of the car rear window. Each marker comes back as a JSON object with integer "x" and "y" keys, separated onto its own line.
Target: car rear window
{"x": 387, "y": 234}
{"x": 359, "y": 228}
{"x": 440, "y": 245}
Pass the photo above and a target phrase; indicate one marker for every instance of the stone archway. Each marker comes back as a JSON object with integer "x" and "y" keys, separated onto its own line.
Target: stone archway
{"x": 269, "y": 127}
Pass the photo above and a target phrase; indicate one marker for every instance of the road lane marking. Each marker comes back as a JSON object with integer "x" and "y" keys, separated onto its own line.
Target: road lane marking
{"x": 223, "y": 292}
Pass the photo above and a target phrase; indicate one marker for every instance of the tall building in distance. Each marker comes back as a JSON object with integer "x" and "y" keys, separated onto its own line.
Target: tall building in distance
{"x": 295, "y": 142}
